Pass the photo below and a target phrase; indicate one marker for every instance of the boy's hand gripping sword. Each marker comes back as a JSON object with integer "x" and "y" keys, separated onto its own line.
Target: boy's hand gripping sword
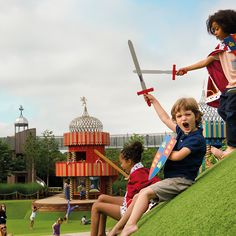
{"x": 135, "y": 60}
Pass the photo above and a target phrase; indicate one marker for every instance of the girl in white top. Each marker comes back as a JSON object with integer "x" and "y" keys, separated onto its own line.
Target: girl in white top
{"x": 32, "y": 216}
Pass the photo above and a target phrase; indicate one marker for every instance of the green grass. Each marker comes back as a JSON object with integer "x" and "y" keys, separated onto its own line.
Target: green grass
{"x": 18, "y": 213}
{"x": 206, "y": 208}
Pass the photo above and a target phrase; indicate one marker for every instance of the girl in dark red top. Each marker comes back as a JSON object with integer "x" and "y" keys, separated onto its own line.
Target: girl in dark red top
{"x": 115, "y": 206}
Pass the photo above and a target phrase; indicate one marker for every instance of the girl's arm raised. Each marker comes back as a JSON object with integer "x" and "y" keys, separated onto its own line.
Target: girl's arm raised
{"x": 198, "y": 65}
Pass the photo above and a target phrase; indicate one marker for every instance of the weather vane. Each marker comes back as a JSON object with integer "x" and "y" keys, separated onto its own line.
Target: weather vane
{"x": 21, "y": 109}
{"x": 83, "y": 100}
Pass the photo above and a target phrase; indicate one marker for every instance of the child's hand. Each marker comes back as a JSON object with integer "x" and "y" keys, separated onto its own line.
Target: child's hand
{"x": 181, "y": 71}
{"x": 149, "y": 97}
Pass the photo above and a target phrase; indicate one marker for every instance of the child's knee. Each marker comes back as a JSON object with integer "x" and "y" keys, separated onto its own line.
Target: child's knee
{"x": 95, "y": 207}
{"x": 146, "y": 192}
{"x": 135, "y": 197}
{"x": 101, "y": 198}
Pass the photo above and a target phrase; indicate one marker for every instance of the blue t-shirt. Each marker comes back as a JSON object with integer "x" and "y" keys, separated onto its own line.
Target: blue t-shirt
{"x": 189, "y": 166}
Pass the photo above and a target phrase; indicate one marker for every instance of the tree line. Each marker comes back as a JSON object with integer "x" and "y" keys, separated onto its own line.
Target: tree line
{"x": 40, "y": 154}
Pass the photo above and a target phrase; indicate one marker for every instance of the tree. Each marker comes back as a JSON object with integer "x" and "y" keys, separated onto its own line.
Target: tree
{"x": 6, "y": 161}
{"x": 31, "y": 154}
{"x": 134, "y": 138}
{"x": 41, "y": 155}
{"x": 19, "y": 163}
{"x": 49, "y": 154}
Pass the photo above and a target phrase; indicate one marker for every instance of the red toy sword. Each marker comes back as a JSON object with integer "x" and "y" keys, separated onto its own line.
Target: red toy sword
{"x": 135, "y": 60}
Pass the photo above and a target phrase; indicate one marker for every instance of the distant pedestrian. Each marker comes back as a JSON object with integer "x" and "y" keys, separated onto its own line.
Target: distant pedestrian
{"x": 85, "y": 221}
{"x": 56, "y": 227}
{"x": 33, "y": 215}
{"x": 67, "y": 189}
{"x": 69, "y": 210}
{"x": 3, "y": 215}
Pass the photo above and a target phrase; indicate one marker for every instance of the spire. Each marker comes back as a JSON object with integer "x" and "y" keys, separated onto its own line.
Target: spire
{"x": 85, "y": 123}
{"x": 203, "y": 99}
{"x": 84, "y": 100}
{"x": 21, "y": 121}
{"x": 21, "y": 110}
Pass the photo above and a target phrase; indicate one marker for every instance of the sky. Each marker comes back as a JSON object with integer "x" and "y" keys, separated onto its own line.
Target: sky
{"x": 53, "y": 52}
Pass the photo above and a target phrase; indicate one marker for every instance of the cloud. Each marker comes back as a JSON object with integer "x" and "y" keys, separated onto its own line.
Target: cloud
{"x": 54, "y": 52}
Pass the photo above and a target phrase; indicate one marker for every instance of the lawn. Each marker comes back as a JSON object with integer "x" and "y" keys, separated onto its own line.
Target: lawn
{"x": 206, "y": 208}
{"x": 18, "y": 213}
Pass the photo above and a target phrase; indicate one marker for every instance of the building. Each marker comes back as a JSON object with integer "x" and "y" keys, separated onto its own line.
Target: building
{"x": 17, "y": 145}
{"x": 89, "y": 174}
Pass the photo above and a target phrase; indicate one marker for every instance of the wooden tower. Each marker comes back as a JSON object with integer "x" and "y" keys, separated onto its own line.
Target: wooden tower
{"x": 89, "y": 175}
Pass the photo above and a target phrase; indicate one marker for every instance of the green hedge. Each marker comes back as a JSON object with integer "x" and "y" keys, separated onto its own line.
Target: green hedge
{"x": 29, "y": 188}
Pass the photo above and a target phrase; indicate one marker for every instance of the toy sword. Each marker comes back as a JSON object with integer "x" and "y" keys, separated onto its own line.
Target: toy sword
{"x": 111, "y": 163}
{"x": 135, "y": 60}
{"x": 173, "y": 72}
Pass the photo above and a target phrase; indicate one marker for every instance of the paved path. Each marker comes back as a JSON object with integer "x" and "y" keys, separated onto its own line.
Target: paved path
{"x": 77, "y": 234}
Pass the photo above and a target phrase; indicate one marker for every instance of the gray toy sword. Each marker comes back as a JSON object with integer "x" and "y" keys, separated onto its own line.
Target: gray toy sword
{"x": 173, "y": 72}
{"x": 136, "y": 64}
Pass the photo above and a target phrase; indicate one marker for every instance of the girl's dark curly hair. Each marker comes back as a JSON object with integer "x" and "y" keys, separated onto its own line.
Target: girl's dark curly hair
{"x": 133, "y": 151}
{"x": 226, "y": 19}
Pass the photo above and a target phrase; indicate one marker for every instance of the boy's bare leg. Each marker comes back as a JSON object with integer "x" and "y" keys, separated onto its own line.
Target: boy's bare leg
{"x": 141, "y": 205}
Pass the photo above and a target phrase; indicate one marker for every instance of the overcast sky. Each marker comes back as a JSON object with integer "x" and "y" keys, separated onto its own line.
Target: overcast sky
{"x": 53, "y": 52}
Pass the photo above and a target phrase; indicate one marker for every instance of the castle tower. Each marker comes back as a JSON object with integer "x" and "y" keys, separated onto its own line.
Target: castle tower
{"x": 22, "y": 132}
{"x": 214, "y": 128}
{"x": 21, "y": 122}
{"x": 84, "y": 168}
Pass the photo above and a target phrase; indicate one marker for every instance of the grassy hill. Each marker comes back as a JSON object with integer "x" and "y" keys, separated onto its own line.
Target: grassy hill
{"x": 206, "y": 208}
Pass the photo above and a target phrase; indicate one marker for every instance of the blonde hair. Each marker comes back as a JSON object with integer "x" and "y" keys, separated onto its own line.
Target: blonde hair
{"x": 187, "y": 104}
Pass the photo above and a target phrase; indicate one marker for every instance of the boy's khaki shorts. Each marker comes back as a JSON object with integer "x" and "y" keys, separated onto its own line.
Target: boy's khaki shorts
{"x": 169, "y": 188}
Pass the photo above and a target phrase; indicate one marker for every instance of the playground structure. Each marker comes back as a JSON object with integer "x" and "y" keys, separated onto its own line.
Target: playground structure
{"x": 89, "y": 174}
{"x": 214, "y": 128}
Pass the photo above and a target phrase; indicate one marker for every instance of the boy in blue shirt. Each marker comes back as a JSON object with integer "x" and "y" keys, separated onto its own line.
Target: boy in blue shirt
{"x": 182, "y": 166}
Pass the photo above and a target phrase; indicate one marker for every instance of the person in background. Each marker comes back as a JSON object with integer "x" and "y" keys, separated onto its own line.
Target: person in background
{"x": 3, "y": 215}
{"x": 33, "y": 215}
{"x": 85, "y": 221}
{"x": 67, "y": 189}
{"x": 56, "y": 227}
